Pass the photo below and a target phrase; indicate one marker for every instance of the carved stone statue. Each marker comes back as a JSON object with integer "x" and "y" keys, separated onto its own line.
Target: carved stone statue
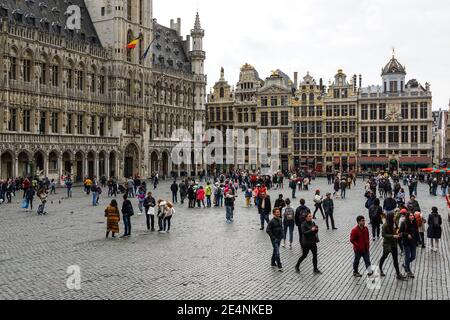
{"x": 394, "y": 113}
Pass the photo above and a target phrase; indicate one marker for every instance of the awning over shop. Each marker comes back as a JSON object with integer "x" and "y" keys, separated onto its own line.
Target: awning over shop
{"x": 416, "y": 161}
{"x": 373, "y": 160}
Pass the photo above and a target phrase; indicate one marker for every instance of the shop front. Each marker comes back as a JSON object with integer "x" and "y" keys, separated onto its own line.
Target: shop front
{"x": 373, "y": 164}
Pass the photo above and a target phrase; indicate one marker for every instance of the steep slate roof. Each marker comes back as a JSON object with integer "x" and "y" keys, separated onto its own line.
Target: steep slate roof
{"x": 393, "y": 67}
{"x": 168, "y": 49}
{"x": 49, "y": 16}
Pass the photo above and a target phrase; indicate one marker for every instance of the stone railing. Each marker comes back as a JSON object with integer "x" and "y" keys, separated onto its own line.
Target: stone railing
{"x": 18, "y": 138}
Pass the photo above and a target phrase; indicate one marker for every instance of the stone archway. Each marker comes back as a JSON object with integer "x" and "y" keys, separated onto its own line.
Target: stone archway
{"x": 24, "y": 164}
{"x": 53, "y": 165}
{"x": 67, "y": 163}
{"x": 112, "y": 164}
{"x": 154, "y": 162}
{"x": 39, "y": 164}
{"x": 7, "y": 165}
{"x": 131, "y": 161}
{"x": 91, "y": 164}
{"x": 102, "y": 164}
{"x": 165, "y": 163}
{"x": 79, "y": 167}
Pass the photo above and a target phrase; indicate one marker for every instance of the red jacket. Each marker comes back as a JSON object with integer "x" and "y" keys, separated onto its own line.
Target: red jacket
{"x": 360, "y": 239}
{"x": 200, "y": 194}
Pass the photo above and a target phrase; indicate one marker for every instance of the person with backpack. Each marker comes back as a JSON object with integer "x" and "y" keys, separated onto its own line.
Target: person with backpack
{"x": 200, "y": 197}
{"x": 413, "y": 205}
{"x": 420, "y": 220}
{"x": 410, "y": 234}
{"x": 149, "y": 206}
{"x": 343, "y": 188}
{"x": 318, "y": 199}
{"x": 288, "y": 223}
{"x": 275, "y": 232}
{"x": 29, "y": 196}
{"x": 390, "y": 237}
{"x": 359, "y": 238}
{"x": 300, "y": 215}
{"x": 434, "y": 229}
{"x": 183, "y": 191}
{"x": 293, "y": 186}
{"x": 328, "y": 207}
{"x": 310, "y": 239}
{"x": 140, "y": 195}
{"x": 376, "y": 218}
{"x": 127, "y": 213}
{"x": 264, "y": 208}
{"x": 191, "y": 197}
{"x": 389, "y": 204}
{"x": 112, "y": 216}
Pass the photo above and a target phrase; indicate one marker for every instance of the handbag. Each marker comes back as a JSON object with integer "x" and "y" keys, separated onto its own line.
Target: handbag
{"x": 24, "y": 204}
{"x": 151, "y": 211}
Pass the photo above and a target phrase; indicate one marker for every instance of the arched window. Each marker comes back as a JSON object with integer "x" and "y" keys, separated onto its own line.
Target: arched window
{"x": 222, "y": 92}
{"x": 311, "y": 98}
{"x": 129, "y": 15}
{"x": 80, "y": 77}
{"x": 26, "y": 66}
{"x": 177, "y": 96}
{"x": 55, "y": 72}
{"x": 13, "y": 64}
{"x": 304, "y": 97}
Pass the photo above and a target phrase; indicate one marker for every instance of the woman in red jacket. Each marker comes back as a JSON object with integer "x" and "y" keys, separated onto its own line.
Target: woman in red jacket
{"x": 201, "y": 197}
{"x": 359, "y": 238}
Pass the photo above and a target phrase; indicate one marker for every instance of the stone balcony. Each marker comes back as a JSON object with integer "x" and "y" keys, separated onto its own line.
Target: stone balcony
{"x": 29, "y": 139}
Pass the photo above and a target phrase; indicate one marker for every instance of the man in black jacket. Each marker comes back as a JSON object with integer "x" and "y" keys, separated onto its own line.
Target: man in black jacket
{"x": 174, "y": 189}
{"x": 300, "y": 216}
{"x": 275, "y": 232}
{"x": 280, "y": 203}
{"x": 328, "y": 207}
{"x": 264, "y": 209}
{"x": 309, "y": 242}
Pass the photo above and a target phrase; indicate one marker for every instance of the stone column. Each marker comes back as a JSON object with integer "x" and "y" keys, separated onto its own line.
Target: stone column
{"x": 97, "y": 165}
{"x": 107, "y": 171}
{"x": 15, "y": 166}
{"x": 60, "y": 167}
{"x": 46, "y": 166}
{"x": 85, "y": 168}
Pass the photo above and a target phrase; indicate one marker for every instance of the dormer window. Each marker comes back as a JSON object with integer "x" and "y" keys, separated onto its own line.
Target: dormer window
{"x": 3, "y": 12}
{"x": 30, "y": 19}
{"x": 170, "y": 62}
{"x": 177, "y": 52}
{"x": 18, "y": 15}
{"x": 43, "y": 5}
{"x": 161, "y": 59}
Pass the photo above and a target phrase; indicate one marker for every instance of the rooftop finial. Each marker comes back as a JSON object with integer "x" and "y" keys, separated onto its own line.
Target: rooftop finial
{"x": 197, "y": 22}
{"x": 393, "y": 52}
{"x": 222, "y": 74}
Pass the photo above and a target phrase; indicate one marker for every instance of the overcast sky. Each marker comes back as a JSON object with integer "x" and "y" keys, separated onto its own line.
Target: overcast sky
{"x": 322, "y": 36}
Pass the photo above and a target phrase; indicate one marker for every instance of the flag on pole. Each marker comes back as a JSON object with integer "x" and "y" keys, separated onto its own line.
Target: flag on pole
{"x": 133, "y": 43}
{"x": 146, "y": 52}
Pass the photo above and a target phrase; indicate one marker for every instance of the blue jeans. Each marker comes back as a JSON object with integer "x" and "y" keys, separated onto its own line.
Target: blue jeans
{"x": 264, "y": 217}
{"x": 410, "y": 256}
{"x": 127, "y": 225}
{"x": 229, "y": 213}
{"x": 276, "y": 261}
{"x": 94, "y": 198}
{"x": 174, "y": 197}
{"x": 288, "y": 225}
{"x": 293, "y": 193}
{"x": 208, "y": 201}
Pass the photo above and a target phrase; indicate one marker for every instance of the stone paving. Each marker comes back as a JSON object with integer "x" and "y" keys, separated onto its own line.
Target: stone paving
{"x": 202, "y": 257}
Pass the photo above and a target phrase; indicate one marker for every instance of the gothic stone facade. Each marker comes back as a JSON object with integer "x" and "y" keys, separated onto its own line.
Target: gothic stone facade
{"x": 81, "y": 103}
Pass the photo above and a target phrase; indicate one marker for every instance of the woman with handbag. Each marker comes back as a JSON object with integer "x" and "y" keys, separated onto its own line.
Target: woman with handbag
{"x": 112, "y": 215}
{"x": 149, "y": 205}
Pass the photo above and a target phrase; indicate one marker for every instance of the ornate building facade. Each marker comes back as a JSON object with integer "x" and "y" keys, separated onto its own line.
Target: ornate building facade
{"x": 79, "y": 102}
{"x": 395, "y": 121}
{"x": 340, "y": 127}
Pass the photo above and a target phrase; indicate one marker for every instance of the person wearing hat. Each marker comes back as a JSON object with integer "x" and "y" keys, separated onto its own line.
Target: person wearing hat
{"x": 328, "y": 207}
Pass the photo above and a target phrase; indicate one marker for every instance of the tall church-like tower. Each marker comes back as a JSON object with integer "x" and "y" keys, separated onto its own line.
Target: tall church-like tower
{"x": 198, "y": 56}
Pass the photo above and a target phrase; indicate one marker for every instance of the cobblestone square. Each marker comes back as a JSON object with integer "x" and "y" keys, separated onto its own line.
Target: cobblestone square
{"x": 202, "y": 258}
